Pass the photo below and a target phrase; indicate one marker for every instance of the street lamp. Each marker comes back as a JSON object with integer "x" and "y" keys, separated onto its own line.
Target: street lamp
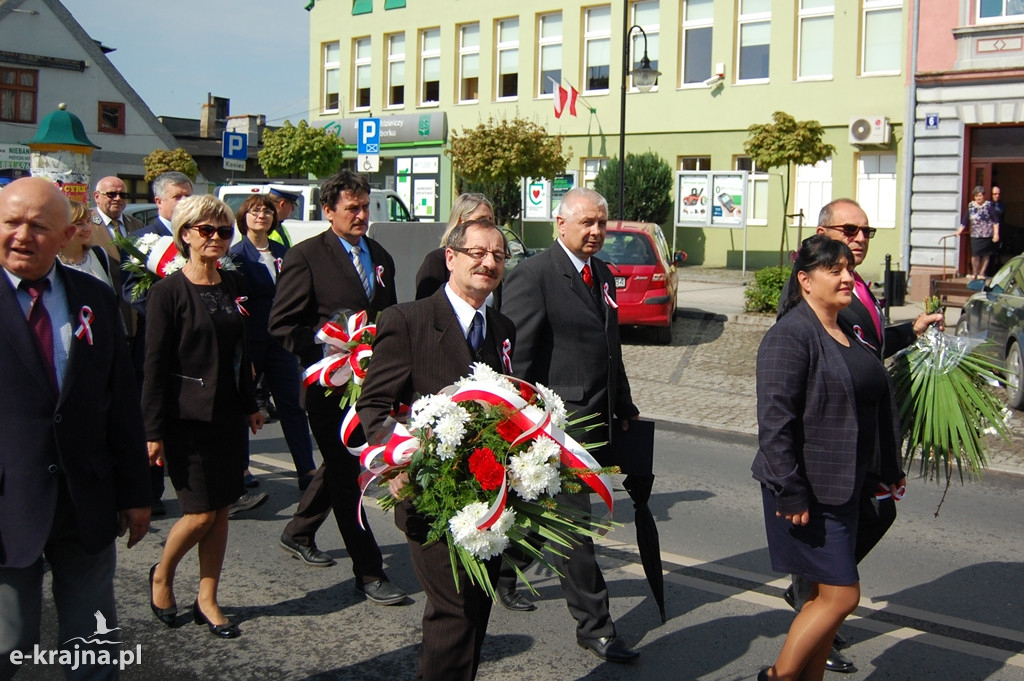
{"x": 644, "y": 77}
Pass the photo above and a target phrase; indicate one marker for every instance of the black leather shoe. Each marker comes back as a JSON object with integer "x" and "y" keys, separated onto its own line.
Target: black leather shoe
{"x": 609, "y": 648}
{"x": 763, "y": 674}
{"x": 310, "y": 555}
{"x": 839, "y": 642}
{"x": 226, "y": 630}
{"x": 836, "y": 662}
{"x": 381, "y": 592}
{"x": 789, "y": 598}
{"x": 514, "y": 601}
{"x": 166, "y": 615}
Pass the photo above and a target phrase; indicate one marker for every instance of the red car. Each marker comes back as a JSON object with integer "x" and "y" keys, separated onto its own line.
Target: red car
{"x": 645, "y": 275}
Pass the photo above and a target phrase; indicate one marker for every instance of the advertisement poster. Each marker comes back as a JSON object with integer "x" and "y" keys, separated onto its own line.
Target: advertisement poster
{"x": 69, "y": 170}
{"x": 423, "y": 199}
{"x": 693, "y": 199}
{"x": 728, "y": 190}
{"x": 538, "y": 200}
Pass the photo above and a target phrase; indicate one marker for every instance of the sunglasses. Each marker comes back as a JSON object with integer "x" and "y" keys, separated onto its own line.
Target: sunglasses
{"x": 115, "y": 195}
{"x": 207, "y": 231}
{"x": 850, "y": 231}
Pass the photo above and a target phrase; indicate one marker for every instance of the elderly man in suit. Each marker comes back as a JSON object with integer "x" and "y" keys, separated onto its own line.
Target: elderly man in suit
{"x": 422, "y": 347}
{"x": 111, "y": 196}
{"x": 341, "y": 269}
{"x": 73, "y": 456}
{"x": 562, "y": 302}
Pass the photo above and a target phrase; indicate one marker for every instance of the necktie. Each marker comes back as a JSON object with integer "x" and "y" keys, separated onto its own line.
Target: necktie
{"x": 359, "y": 269}
{"x": 862, "y": 293}
{"x": 41, "y": 326}
{"x": 476, "y": 332}
{"x": 119, "y": 228}
{"x": 588, "y": 276}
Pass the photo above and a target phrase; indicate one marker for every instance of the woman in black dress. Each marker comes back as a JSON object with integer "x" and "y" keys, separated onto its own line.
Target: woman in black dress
{"x": 197, "y": 400}
{"x": 825, "y": 411}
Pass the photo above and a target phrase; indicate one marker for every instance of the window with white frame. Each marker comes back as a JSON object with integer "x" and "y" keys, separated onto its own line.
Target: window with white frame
{"x": 507, "y": 59}
{"x": 881, "y": 53}
{"x": 549, "y": 48}
{"x": 817, "y": 37}
{"x": 757, "y": 191}
{"x": 396, "y": 70}
{"x": 362, "y": 56}
{"x": 469, "y": 63}
{"x": 695, "y": 163}
{"x": 645, "y": 15}
{"x": 332, "y": 77}
{"x": 597, "y": 42}
{"x": 996, "y": 10}
{"x": 813, "y": 190}
{"x": 698, "y": 21}
{"x": 430, "y": 66}
{"x": 876, "y": 187}
{"x": 755, "y": 28}
{"x": 591, "y": 167}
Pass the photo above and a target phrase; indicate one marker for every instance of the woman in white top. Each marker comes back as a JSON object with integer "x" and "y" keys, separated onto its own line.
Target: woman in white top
{"x": 79, "y": 253}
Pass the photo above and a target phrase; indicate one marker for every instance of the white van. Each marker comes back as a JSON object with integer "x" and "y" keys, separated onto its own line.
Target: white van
{"x": 385, "y": 204}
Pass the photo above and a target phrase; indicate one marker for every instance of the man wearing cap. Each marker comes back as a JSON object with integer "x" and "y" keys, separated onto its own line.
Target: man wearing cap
{"x": 284, "y": 203}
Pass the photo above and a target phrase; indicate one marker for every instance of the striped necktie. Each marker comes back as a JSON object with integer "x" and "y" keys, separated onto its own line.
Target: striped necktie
{"x": 359, "y": 269}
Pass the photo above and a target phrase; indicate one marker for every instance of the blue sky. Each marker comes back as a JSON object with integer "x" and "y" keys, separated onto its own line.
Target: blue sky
{"x": 254, "y": 52}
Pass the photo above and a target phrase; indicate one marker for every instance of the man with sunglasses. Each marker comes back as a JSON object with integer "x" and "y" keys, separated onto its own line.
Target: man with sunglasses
{"x": 845, "y": 220}
{"x": 111, "y": 197}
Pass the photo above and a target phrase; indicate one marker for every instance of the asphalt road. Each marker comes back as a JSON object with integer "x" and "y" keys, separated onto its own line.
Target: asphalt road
{"x": 941, "y": 596}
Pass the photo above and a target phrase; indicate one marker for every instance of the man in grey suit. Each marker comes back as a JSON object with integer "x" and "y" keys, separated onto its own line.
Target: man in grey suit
{"x": 422, "y": 347}
{"x": 73, "y": 456}
{"x": 562, "y": 302}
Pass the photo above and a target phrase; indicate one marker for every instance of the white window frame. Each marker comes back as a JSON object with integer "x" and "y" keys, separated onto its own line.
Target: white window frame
{"x": 757, "y": 181}
{"x": 332, "y": 67}
{"x": 396, "y": 62}
{"x": 591, "y": 166}
{"x": 597, "y": 33}
{"x": 877, "y": 191}
{"x": 504, "y": 47}
{"x": 469, "y": 61}
{"x": 816, "y": 16}
{"x": 428, "y": 58}
{"x": 653, "y": 31}
{"x": 874, "y": 7}
{"x": 750, "y": 20}
{"x": 690, "y": 24}
{"x": 1003, "y": 17}
{"x": 362, "y": 66}
{"x": 812, "y": 189}
{"x": 552, "y": 45}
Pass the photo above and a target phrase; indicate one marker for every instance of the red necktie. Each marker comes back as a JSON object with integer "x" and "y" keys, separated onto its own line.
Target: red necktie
{"x": 588, "y": 276}
{"x": 42, "y": 328}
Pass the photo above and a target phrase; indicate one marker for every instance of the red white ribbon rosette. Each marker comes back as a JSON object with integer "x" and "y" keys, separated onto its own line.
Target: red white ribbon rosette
{"x": 84, "y": 330}
{"x": 335, "y": 370}
{"x": 238, "y": 305}
{"x": 609, "y": 301}
{"x": 380, "y": 275}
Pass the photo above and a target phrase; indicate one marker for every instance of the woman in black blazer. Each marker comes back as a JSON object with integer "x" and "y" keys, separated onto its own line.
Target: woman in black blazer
{"x": 197, "y": 399}
{"x": 825, "y": 411}
{"x": 259, "y": 260}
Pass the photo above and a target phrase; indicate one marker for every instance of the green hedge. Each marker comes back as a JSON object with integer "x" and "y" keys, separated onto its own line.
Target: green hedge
{"x": 763, "y": 293}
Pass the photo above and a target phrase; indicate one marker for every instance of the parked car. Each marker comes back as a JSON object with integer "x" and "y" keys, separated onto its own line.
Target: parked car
{"x": 645, "y": 276}
{"x": 143, "y": 212}
{"x": 997, "y": 314}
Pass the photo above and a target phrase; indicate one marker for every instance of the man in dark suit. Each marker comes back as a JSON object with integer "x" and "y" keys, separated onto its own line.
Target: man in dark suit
{"x": 443, "y": 331}
{"x": 562, "y": 302}
{"x": 845, "y": 220}
{"x": 340, "y": 269}
{"x": 73, "y": 456}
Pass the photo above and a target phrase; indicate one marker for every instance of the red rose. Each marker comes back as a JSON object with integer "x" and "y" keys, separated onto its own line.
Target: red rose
{"x": 485, "y": 468}
{"x": 508, "y": 430}
{"x": 526, "y": 392}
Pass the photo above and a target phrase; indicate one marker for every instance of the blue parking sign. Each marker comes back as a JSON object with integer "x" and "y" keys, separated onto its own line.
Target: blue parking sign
{"x": 235, "y": 145}
{"x": 369, "y": 136}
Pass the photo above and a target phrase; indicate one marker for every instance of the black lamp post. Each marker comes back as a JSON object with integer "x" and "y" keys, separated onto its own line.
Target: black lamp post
{"x": 644, "y": 77}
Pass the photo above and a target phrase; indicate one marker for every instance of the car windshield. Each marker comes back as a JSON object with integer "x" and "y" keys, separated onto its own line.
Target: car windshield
{"x": 627, "y": 248}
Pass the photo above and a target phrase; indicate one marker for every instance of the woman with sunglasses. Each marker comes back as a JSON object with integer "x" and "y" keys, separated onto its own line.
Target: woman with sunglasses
{"x": 259, "y": 260}
{"x": 197, "y": 399}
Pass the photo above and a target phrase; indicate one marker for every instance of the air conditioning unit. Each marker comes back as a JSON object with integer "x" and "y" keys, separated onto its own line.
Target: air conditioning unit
{"x": 869, "y": 130}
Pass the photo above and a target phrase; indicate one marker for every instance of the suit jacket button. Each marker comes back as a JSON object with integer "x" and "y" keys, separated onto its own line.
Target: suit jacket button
{"x": 52, "y": 468}
{"x": 58, "y": 418}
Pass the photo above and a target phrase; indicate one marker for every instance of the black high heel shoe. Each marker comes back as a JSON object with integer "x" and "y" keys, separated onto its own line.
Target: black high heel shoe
{"x": 166, "y": 615}
{"x": 228, "y": 630}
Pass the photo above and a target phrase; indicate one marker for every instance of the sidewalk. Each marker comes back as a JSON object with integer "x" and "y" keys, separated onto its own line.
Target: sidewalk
{"x": 706, "y": 377}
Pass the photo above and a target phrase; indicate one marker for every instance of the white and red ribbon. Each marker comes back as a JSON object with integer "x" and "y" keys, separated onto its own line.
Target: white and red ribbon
{"x": 608, "y": 300}
{"x": 278, "y": 263}
{"x": 506, "y": 355}
{"x": 85, "y": 318}
{"x": 883, "y": 492}
{"x": 160, "y": 255}
{"x": 380, "y": 276}
{"x": 238, "y": 305}
{"x": 335, "y": 370}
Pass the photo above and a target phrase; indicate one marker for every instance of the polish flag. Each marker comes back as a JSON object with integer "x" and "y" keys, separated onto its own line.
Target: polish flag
{"x": 564, "y": 96}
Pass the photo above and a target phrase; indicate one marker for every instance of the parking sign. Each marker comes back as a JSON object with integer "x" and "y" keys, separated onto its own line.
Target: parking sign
{"x": 235, "y": 145}
{"x": 369, "y": 136}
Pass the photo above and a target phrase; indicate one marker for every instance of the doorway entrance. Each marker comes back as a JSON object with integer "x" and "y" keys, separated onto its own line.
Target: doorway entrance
{"x": 996, "y": 159}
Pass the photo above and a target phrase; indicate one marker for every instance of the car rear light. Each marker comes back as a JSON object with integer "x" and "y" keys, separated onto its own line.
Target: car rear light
{"x": 659, "y": 280}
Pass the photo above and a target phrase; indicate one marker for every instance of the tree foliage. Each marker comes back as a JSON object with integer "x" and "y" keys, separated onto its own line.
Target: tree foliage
{"x": 161, "y": 161}
{"x": 647, "y": 196}
{"x": 786, "y": 143}
{"x": 299, "y": 150}
{"x": 493, "y": 157}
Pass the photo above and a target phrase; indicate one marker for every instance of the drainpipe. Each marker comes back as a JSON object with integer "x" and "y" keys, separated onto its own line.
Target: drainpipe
{"x": 910, "y": 123}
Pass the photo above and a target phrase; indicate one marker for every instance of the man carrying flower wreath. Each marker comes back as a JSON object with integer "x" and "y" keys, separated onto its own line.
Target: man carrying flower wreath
{"x": 422, "y": 347}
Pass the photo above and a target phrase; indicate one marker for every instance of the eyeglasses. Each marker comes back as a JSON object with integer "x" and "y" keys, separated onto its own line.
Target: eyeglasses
{"x": 850, "y": 231}
{"x": 207, "y": 231}
{"x": 479, "y": 254}
{"x": 262, "y": 212}
{"x": 115, "y": 195}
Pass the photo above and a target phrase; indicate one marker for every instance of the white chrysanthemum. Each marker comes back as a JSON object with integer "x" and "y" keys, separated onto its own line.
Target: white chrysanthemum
{"x": 176, "y": 263}
{"x": 484, "y": 374}
{"x": 425, "y": 411}
{"x": 482, "y": 544}
{"x": 555, "y": 405}
{"x": 535, "y": 471}
{"x": 146, "y": 241}
{"x": 450, "y": 429}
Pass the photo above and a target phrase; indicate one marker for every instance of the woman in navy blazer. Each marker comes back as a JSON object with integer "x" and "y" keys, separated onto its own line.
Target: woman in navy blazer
{"x": 259, "y": 260}
{"x": 197, "y": 398}
{"x": 825, "y": 411}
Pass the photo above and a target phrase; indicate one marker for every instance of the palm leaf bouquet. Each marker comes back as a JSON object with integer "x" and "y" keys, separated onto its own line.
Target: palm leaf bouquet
{"x": 947, "y": 406}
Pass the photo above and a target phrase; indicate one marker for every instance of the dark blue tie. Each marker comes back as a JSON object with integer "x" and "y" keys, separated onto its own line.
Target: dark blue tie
{"x": 476, "y": 332}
